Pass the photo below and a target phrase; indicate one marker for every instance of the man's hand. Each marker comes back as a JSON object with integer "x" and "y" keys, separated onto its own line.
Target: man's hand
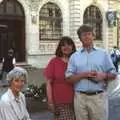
{"x": 101, "y": 76}
{"x": 90, "y": 74}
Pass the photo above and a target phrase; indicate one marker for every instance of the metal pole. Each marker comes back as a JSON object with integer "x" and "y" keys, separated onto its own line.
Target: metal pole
{"x": 117, "y": 32}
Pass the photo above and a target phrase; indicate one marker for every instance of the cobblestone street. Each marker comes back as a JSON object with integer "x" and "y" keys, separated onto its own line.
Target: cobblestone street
{"x": 114, "y": 111}
{"x": 38, "y": 110}
{"x": 42, "y": 116}
{"x": 41, "y": 36}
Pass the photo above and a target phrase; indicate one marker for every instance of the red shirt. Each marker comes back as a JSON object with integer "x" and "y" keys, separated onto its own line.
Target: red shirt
{"x": 59, "y": 91}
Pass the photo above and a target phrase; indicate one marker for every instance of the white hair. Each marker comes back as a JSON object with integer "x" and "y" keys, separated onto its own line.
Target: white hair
{"x": 17, "y": 73}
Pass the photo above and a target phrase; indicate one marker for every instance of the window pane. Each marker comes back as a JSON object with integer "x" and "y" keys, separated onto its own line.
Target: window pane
{"x": 50, "y": 22}
{"x": 19, "y": 10}
{"x": 1, "y": 8}
{"x": 10, "y": 8}
{"x": 93, "y": 17}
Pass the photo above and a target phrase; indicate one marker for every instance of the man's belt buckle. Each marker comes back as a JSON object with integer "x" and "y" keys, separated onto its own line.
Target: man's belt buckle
{"x": 91, "y": 93}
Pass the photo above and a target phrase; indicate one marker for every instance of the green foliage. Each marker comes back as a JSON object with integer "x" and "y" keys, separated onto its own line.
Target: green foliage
{"x": 35, "y": 91}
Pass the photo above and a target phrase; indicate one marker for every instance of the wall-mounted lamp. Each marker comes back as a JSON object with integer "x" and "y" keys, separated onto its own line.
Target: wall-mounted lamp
{"x": 111, "y": 17}
{"x": 33, "y": 18}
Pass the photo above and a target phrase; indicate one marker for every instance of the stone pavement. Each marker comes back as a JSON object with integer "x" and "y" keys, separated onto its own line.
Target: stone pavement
{"x": 114, "y": 111}
{"x": 114, "y": 102}
{"x": 42, "y": 116}
{"x": 41, "y": 112}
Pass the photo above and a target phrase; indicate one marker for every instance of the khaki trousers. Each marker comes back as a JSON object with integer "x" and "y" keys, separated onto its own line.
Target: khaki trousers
{"x": 91, "y": 107}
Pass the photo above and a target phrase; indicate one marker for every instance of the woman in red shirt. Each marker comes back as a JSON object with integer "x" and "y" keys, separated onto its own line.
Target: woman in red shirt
{"x": 60, "y": 93}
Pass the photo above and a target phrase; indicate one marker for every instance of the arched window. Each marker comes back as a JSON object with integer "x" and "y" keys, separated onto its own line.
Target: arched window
{"x": 93, "y": 17}
{"x": 50, "y": 22}
{"x": 11, "y": 8}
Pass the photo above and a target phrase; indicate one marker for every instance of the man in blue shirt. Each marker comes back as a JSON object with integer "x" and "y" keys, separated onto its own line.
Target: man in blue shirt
{"x": 89, "y": 69}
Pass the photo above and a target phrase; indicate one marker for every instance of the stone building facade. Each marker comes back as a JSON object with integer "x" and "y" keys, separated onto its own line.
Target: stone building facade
{"x": 45, "y": 21}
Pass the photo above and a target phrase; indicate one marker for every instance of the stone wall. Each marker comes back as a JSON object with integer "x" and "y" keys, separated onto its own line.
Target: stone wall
{"x": 39, "y": 52}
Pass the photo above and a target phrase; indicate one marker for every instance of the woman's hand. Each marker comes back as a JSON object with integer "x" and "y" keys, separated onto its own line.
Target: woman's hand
{"x": 51, "y": 107}
{"x": 101, "y": 76}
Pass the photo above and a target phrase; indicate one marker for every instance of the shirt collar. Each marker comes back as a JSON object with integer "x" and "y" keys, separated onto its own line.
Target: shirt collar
{"x": 83, "y": 50}
{"x": 12, "y": 97}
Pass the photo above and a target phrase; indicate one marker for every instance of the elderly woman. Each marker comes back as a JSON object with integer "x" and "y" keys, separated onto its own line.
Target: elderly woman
{"x": 12, "y": 104}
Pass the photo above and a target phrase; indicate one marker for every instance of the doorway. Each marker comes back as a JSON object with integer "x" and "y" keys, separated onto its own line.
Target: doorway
{"x": 12, "y": 29}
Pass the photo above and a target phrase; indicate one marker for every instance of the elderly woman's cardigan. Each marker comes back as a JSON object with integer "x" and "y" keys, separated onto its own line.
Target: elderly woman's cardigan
{"x": 12, "y": 109}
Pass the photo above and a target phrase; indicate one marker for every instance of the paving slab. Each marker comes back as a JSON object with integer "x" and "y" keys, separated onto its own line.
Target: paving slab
{"x": 114, "y": 111}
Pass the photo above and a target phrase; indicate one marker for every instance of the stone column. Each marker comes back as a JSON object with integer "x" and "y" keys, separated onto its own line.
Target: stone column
{"x": 75, "y": 20}
{"x": 33, "y": 28}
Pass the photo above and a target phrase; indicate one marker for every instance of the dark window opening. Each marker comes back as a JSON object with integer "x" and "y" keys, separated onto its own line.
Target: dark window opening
{"x": 93, "y": 17}
{"x": 50, "y": 22}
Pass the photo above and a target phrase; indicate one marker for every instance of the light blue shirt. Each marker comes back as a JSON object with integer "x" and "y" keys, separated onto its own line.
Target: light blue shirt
{"x": 96, "y": 60}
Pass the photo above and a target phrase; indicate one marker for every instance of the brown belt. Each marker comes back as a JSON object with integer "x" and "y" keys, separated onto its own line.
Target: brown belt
{"x": 91, "y": 93}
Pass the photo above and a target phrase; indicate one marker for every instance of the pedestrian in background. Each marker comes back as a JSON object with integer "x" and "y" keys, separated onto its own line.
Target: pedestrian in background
{"x": 12, "y": 103}
{"x": 88, "y": 69}
{"x": 115, "y": 56}
{"x": 8, "y": 63}
{"x": 60, "y": 92}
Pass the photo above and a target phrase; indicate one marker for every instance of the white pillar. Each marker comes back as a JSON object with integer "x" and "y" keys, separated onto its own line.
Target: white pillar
{"x": 75, "y": 12}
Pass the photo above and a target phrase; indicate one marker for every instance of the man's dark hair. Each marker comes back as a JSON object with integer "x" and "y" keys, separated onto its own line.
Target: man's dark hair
{"x": 64, "y": 40}
{"x": 84, "y": 28}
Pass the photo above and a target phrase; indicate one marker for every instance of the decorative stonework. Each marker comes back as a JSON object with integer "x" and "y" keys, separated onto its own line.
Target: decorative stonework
{"x": 28, "y": 2}
{"x": 47, "y": 48}
{"x": 33, "y": 4}
{"x": 41, "y": 51}
{"x": 74, "y": 17}
{"x": 94, "y": 2}
{"x": 50, "y": 48}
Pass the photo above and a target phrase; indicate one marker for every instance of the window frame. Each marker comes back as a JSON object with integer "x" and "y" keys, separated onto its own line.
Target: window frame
{"x": 50, "y": 23}
{"x": 93, "y": 17}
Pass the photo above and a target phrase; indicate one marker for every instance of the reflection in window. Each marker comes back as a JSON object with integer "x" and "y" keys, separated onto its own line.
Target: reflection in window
{"x": 11, "y": 7}
{"x": 92, "y": 16}
{"x": 50, "y": 22}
